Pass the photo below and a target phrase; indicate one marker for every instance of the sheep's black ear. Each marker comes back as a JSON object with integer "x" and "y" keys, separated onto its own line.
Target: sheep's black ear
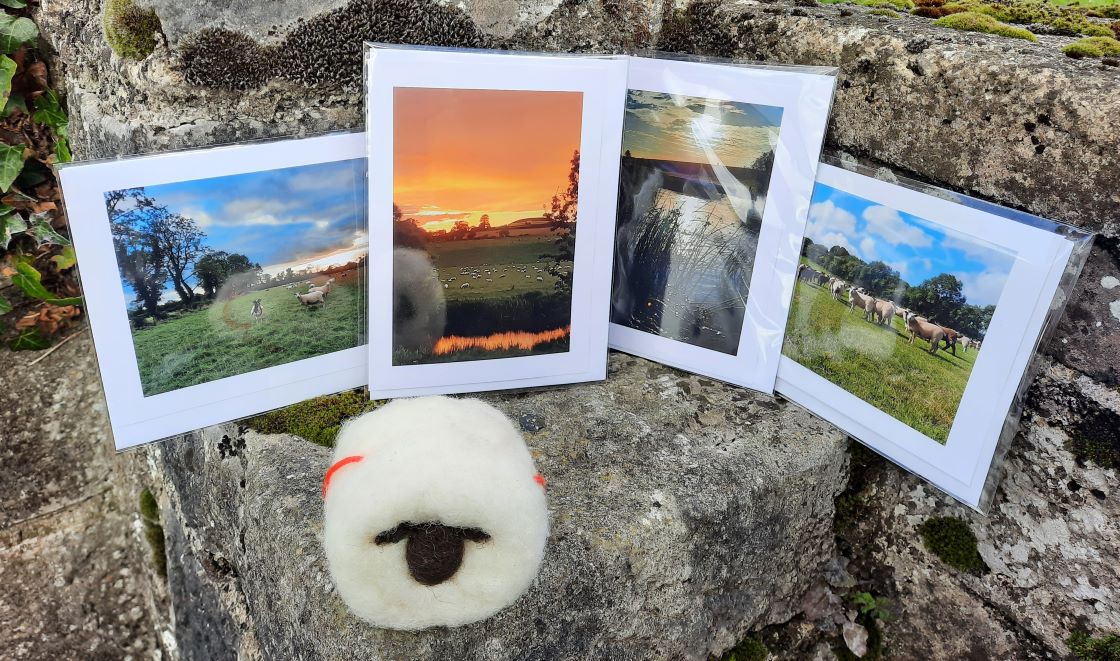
{"x": 394, "y": 535}
{"x": 473, "y": 534}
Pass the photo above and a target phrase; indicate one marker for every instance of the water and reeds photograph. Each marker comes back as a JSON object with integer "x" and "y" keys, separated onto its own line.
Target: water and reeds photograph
{"x": 486, "y": 188}
{"x": 692, "y": 190}
{"x": 893, "y": 308}
{"x": 234, "y": 274}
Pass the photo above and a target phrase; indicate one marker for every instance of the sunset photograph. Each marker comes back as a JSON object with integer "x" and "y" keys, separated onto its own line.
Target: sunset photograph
{"x": 692, "y": 189}
{"x": 485, "y": 191}
{"x": 229, "y": 275}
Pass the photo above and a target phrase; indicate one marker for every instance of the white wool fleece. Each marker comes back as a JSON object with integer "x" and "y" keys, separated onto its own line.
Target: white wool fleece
{"x": 457, "y": 462}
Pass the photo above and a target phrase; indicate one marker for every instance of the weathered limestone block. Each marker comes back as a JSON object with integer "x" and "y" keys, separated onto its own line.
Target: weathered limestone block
{"x": 684, "y": 513}
{"x": 1009, "y": 121}
{"x": 71, "y": 578}
{"x": 1050, "y": 544}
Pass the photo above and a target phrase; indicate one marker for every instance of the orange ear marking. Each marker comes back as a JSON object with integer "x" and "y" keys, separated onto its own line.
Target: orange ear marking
{"x": 352, "y": 459}
{"x": 539, "y": 479}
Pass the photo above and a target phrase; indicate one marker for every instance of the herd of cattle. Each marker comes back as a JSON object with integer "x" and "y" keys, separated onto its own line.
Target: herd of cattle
{"x": 882, "y": 312}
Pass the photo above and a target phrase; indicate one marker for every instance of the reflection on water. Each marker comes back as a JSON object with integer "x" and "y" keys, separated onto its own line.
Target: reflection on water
{"x": 500, "y": 341}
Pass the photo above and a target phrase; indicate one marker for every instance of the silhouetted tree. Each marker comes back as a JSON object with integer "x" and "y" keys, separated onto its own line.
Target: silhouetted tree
{"x": 133, "y": 217}
{"x": 181, "y": 239}
{"x": 561, "y": 216}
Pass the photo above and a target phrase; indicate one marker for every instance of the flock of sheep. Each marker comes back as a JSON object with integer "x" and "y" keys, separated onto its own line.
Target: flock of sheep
{"x": 316, "y": 293}
{"x": 882, "y": 312}
{"x": 489, "y": 273}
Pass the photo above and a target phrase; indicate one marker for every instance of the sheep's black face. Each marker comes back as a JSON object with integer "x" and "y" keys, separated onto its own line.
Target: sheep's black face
{"x": 433, "y": 551}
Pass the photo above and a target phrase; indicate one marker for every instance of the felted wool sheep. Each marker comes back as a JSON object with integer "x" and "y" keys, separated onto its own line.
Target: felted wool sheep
{"x": 434, "y": 513}
{"x": 419, "y": 306}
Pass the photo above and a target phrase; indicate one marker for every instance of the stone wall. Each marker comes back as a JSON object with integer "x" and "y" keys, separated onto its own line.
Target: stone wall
{"x": 1013, "y": 122}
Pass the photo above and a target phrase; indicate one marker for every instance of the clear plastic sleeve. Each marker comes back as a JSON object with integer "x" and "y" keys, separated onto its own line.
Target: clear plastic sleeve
{"x": 917, "y": 321}
{"x": 718, "y": 164}
{"x": 222, "y": 282}
{"x": 492, "y": 187}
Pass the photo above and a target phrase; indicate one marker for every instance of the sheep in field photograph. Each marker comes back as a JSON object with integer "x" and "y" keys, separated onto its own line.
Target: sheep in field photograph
{"x": 892, "y": 308}
{"x": 235, "y": 274}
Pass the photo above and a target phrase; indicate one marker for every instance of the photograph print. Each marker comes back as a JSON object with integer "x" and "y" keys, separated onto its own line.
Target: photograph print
{"x": 485, "y": 200}
{"x": 234, "y": 274}
{"x": 693, "y": 185}
{"x": 893, "y": 308}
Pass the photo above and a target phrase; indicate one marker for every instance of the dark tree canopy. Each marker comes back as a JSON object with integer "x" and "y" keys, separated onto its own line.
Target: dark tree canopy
{"x": 134, "y": 219}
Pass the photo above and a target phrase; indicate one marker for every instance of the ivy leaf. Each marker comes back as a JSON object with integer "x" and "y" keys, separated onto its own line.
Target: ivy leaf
{"x": 48, "y": 110}
{"x": 13, "y": 4}
{"x": 30, "y": 340}
{"x": 30, "y": 281}
{"x": 42, "y": 231}
{"x": 11, "y": 164}
{"x": 7, "y": 70}
{"x": 65, "y": 259}
{"x": 5, "y": 305}
{"x": 11, "y": 223}
{"x": 16, "y": 103}
{"x": 15, "y": 32}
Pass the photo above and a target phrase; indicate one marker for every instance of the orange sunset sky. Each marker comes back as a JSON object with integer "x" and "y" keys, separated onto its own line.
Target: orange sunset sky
{"x": 459, "y": 154}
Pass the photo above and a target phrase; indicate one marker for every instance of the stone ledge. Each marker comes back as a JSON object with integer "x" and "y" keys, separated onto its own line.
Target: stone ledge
{"x": 684, "y": 514}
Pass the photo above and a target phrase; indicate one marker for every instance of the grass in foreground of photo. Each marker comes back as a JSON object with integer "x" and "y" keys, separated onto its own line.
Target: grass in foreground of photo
{"x": 223, "y": 340}
{"x": 877, "y": 364}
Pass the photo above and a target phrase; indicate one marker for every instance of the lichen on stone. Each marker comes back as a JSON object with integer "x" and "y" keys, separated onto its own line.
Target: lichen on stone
{"x": 220, "y": 58}
{"x": 953, "y": 542}
{"x": 1093, "y": 47}
{"x": 326, "y": 50}
{"x": 883, "y": 11}
{"x": 131, "y": 31}
{"x": 971, "y": 21}
{"x": 697, "y": 29}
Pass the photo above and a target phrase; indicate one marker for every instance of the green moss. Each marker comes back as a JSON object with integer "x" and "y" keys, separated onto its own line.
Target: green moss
{"x": 1087, "y": 648}
{"x": 971, "y": 21}
{"x": 883, "y": 11}
{"x": 130, "y": 30}
{"x": 951, "y": 540}
{"x": 751, "y": 649}
{"x": 1095, "y": 47}
{"x": 149, "y": 508}
{"x": 317, "y": 420}
{"x": 153, "y": 531}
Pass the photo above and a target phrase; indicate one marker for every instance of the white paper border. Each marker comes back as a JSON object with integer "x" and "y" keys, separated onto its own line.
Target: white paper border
{"x": 805, "y": 99}
{"x": 136, "y": 419}
{"x": 960, "y": 467}
{"x": 602, "y": 80}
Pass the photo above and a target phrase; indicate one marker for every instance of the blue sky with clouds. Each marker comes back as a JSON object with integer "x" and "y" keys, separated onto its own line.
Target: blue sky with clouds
{"x": 276, "y": 216}
{"x": 915, "y": 247}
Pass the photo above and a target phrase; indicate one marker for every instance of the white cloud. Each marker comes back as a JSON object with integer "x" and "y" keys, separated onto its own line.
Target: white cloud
{"x": 974, "y": 250}
{"x": 888, "y": 224}
{"x": 826, "y": 217}
{"x": 867, "y": 249}
{"x": 337, "y": 178}
{"x": 246, "y": 206}
{"x": 983, "y": 288}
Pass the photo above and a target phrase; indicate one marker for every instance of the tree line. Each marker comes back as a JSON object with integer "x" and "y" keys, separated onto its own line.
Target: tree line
{"x": 155, "y": 245}
{"x": 940, "y": 298}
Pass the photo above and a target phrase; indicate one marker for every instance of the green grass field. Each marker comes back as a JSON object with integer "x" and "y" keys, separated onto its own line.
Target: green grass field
{"x": 504, "y": 267}
{"x": 223, "y": 340}
{"x": 877, "y": 364}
